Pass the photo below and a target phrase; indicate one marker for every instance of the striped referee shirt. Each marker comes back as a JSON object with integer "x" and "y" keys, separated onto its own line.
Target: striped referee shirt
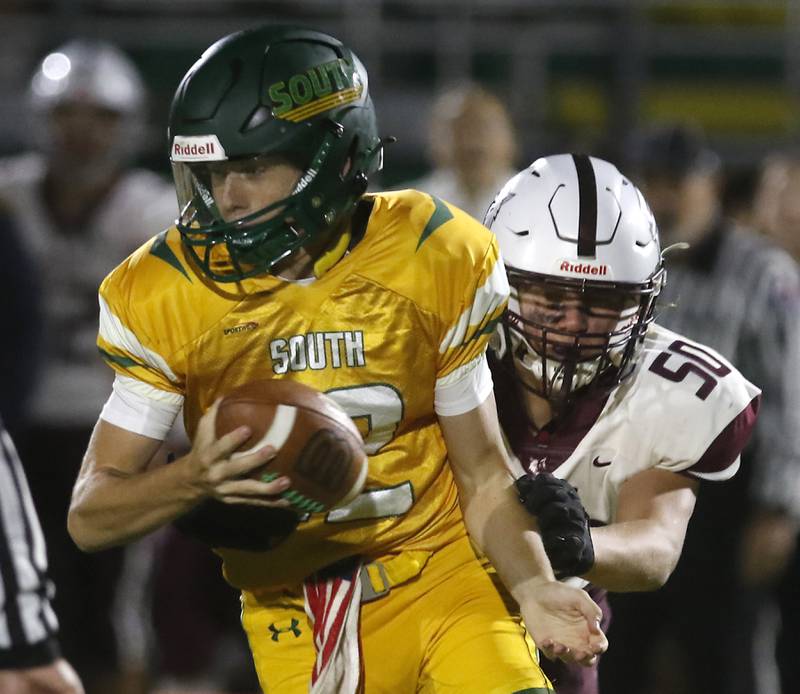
{"x": 28, "y": 625}
{"x": 740, "y": 295}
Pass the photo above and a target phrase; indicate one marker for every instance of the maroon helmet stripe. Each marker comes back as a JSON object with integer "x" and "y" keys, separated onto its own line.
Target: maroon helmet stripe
{"x": 587, "y": 219}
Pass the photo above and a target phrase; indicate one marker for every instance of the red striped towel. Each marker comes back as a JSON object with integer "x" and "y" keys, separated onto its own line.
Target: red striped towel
{"x": 333, "y": 605}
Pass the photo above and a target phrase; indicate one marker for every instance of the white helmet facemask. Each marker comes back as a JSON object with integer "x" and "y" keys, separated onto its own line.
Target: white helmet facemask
{"x": 571, "y": 228}
{"x": 577, "y": 365}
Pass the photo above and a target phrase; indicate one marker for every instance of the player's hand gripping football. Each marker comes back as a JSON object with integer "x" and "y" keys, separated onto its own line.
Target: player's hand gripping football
{"x": 563, "y": 522}
{"x": 565, "y": 623}
{"x": 220, "y": 473}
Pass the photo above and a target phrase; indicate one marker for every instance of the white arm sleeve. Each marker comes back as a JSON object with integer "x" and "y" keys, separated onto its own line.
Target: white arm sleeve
{"x": 464, "y": 389}
{"x": 141, "y": 408}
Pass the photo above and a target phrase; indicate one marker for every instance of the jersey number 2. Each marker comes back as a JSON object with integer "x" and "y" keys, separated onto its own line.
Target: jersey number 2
{"x": 380, "y": 407}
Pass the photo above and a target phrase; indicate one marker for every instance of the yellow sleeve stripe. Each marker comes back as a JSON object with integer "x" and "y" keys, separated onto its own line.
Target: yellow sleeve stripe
{"x": 114, "y": 333}
{"x": 482, "y": 316}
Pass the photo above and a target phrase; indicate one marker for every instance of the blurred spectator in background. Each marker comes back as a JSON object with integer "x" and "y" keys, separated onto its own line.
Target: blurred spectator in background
{"x": 79, "y": 209}
{"x": 19, "y": 348}
{"x": 30, "y": 657}
{"x": 776, "y": 213}
{"x": 471, "y": 144}
{"x": 776, "y": 208}
{"x": 737, "y": 198}
{"x": 739, "y": 294}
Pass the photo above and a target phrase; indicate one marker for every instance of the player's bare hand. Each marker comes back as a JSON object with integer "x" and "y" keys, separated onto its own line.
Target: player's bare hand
{"x": 565, "y": 623}
{"x": 220, "y": 471}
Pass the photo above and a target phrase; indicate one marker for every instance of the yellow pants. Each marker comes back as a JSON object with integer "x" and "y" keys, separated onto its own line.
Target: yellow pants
{"x": 446, "y": 630}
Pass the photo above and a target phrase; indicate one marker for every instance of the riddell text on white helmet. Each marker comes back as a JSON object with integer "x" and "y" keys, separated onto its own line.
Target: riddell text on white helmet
{"x": 583, "y": 268}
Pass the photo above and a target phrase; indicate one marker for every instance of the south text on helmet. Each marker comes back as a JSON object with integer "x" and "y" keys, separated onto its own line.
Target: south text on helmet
{"x": 318, "y": 89}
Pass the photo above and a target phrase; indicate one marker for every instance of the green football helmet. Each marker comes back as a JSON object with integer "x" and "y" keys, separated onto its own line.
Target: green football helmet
{"x": 256, "y": 97}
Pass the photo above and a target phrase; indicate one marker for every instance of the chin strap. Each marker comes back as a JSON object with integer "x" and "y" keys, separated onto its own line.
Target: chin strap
{"x": 332, "y": 255}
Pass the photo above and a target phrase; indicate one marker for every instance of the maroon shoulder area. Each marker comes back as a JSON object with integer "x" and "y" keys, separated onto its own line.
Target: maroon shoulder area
{"x": 724, "y": 450}
{"x": 549, "y": 448}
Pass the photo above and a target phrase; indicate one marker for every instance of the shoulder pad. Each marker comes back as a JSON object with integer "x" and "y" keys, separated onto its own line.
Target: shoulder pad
{"x": 687, "y": 398}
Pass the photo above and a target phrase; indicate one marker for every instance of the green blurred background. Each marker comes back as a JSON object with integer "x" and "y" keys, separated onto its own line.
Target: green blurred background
{"x": 575, "y": 75}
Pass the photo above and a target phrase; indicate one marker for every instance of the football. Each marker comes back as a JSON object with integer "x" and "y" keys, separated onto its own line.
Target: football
{"x": 319, "y": 448}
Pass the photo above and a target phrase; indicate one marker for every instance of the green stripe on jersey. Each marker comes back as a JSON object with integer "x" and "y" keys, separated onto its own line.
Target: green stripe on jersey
{"x": 441, "y": 214}
{"x": 117, "y": 359}
{"x": 160, "y": 249}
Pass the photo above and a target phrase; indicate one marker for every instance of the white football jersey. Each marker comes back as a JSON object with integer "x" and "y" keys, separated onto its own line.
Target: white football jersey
{"x": 684, "y": 409}
{"x": 71, "y": 264}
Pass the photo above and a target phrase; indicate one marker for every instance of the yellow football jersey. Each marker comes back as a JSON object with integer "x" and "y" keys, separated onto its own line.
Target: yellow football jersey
{"x": 409, "y": 307}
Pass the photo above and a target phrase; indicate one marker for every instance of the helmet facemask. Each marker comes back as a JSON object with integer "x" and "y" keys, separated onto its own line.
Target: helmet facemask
{"x": 229, "y": 250}
{"x": 597, "y": 349}
{"x": 581, "y": 250}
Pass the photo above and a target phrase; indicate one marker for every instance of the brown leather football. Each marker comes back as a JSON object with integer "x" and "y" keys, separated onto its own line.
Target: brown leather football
{"x": 318, "y": 446}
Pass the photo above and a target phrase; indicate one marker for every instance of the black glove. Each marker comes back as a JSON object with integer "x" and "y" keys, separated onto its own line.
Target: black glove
{"x": 236, "y": 526}
{"x": 563, "y": 522}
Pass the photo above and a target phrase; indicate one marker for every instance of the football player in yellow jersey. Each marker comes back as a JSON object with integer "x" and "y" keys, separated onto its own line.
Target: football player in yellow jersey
{"x": 281, "y": 267}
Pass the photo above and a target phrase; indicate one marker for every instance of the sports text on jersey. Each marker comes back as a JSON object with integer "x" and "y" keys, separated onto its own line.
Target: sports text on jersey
{"x": 318, "y": 89}
{"x": 241, "y": 328}
{"x": 317, "y": 351}
{"x": 583, "y": 268}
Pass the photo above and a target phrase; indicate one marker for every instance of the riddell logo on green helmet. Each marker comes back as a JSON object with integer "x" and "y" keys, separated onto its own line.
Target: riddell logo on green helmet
{"x": 318, "y": 89}
{"x": 197, "y": 148}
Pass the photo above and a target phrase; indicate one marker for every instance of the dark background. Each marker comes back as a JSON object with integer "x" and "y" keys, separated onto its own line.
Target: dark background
{"x": 575, "y": 75}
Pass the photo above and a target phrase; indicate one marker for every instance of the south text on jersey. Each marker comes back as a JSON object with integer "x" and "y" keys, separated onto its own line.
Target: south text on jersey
{"x": 317, "y": 350}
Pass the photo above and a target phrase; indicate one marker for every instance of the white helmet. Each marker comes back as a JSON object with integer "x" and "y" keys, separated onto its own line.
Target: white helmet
{"x": 96, "y": 73}
{"x": 92, "y": 71}
{"x": 574, "y": 224}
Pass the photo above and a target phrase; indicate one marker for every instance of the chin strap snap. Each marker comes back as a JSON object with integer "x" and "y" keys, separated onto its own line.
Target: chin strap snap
{"x": 332, "y": 255}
